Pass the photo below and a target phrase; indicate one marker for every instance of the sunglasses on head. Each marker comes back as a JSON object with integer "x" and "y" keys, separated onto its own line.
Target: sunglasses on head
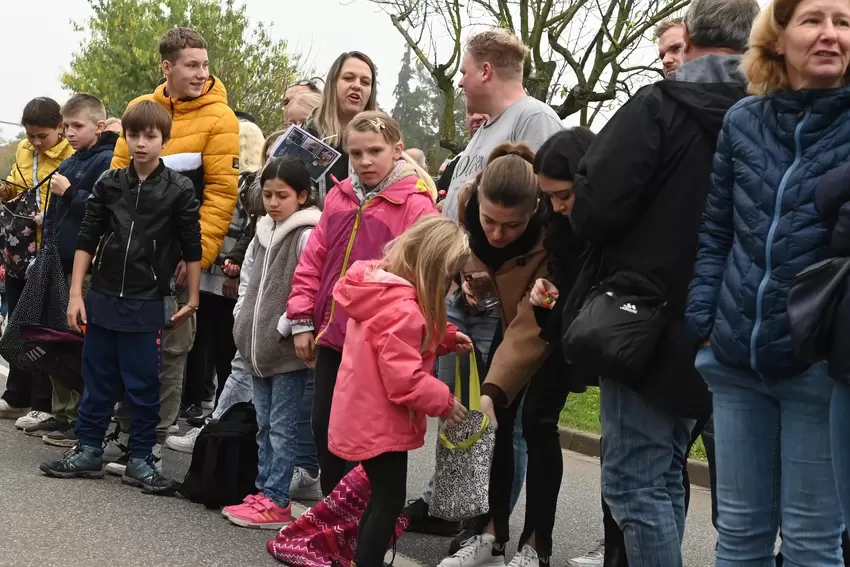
{"x": 311, "y": 82}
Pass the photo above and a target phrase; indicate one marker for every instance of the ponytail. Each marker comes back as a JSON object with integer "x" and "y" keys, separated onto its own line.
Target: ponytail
{"x": 509, "y": 179}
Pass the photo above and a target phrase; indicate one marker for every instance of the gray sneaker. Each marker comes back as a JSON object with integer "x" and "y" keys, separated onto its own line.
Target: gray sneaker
{"x": 143, "y": 473}
{"x": 593, "y": 558}
{"x": 66, "y": 438}
{"x": 79, "y": 462}
{"x": 46, "y": 427}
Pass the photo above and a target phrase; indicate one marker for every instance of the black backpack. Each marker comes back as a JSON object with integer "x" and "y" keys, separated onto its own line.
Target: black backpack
{"x": 224, "y": 461}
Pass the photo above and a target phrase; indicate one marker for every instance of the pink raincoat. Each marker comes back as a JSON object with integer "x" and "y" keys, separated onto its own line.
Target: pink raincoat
{"x": 384, "y": 388}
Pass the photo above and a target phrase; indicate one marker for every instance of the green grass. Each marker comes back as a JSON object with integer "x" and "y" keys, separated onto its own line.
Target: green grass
{"x": 582, "y": 413}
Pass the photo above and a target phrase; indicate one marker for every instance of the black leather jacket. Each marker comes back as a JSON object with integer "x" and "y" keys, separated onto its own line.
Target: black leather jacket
{"x": 167, "y": 206}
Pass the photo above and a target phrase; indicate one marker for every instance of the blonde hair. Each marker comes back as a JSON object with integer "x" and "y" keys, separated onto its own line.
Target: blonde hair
{"x": 387, "y": 126}
{"x": 429, "y": 254}
{"x": 762, "y": 64}
{"x": 251, "y": 143}
{"x": 309, "y": 101}
{"x": 270, "y": 142}
{"x": 325, "y": 119}
{"x": 502, "y": 49}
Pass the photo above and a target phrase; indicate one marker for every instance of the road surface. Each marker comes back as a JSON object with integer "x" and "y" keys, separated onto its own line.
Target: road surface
{"x": 79, "y": 523}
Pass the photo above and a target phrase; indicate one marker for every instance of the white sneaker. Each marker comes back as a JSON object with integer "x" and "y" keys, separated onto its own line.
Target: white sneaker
{"x": 173, "y": 429}
{"x": 304, "y": 486}
{"x": 593, "y": 558}
{"x": 29, "y": 419}
{"x": 208, "y": 405}
{"x": 183, "y": 443}
{"x": 478, "y": 551}
{"x": 527, "y": 557}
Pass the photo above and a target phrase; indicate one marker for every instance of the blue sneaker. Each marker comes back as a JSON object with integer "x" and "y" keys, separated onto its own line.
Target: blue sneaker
{"x": 79, "y": 462}
{"x": 143, "y": 473}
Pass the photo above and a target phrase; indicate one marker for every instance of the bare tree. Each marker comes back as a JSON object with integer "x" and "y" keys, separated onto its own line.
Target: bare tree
{"x": 583, "y": 52}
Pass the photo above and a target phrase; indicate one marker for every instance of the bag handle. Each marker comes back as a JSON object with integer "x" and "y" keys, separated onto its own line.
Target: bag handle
{"x": 164, "y": 288}
{"x": 474, "y": 404}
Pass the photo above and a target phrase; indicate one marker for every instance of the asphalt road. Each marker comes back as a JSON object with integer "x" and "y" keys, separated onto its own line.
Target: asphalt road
{"x": 47, "y": 522}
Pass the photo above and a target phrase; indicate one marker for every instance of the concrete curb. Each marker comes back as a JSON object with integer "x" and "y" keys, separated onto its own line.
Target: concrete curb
{"x": 588, "y": 444}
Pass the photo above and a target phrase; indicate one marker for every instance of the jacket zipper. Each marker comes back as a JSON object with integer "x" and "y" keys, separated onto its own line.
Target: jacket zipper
{"x": 129, "y": 240}
{"x": 103, "y": 250}
{"x": 771, "y": 234}
{"x": 257, "y": 304}
{"x": 346, "y": 260}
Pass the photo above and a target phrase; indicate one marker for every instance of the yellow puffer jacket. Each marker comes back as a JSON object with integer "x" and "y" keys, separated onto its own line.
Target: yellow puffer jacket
{"x": 204, "y": 146}
{"x": 21, "y": 175}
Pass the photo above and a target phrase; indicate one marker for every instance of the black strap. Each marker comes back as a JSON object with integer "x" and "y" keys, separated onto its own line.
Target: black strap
{"x": 164, "y": 287}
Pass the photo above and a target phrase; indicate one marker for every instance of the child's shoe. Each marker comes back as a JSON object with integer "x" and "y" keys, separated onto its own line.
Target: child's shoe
{"x": 144, "y": 474}
{"x": 228, "y": 510}
{"x": 25, "y": 417}
{"x": 262, "y": 513}
{"x": 79, "y": 462}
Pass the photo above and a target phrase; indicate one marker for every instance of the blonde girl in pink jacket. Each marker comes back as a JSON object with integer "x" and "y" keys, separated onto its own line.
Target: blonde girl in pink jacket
{"x": 385, "y": 387}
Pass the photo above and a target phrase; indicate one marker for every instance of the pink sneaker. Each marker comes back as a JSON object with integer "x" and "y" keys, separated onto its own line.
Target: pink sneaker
{"x": 251, "y": 498}
{"x": 262, "y": 513}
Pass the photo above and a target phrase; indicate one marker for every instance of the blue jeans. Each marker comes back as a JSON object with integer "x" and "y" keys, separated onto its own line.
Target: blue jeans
{"x": 277, "y": 401}
{"x": 774, "y": 467}
{"x": 110, "y": 359}
{"x": 306, "y": 446}
{"x": 643, "y": 453}
{"x": 839, "y": 438}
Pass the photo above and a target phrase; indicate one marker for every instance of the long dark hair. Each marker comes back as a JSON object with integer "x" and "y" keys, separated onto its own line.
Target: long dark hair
{"x": 291, "y": 171}
{"x": 559, "y": 158}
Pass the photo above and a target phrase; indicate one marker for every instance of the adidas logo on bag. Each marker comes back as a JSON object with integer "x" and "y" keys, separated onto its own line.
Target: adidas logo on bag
{"x": 629, "y": 307}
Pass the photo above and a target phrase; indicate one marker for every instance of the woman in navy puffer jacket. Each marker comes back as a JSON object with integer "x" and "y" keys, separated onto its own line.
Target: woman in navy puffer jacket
{"x": 760, "y": 228}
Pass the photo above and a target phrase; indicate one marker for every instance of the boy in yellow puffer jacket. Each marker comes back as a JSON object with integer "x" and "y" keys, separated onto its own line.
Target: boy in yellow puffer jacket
{"x": 36, "y": 158}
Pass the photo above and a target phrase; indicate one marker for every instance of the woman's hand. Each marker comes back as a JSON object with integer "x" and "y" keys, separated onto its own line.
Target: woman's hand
{"x": 543, "y": 294}
{"x": 76, "y": 312}
{"x": 305, "y": 346}
{"x": 463, "y": 344}
{"x": 488, "y": 410}
{"x": 231, "y": 268}
{"x": 183, "y": 315}
{"x": 457, "y": 414}
{"x": 230, "y": 288}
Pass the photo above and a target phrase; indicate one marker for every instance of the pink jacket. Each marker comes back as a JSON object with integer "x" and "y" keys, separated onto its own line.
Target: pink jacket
{"x": 384, "y": 388}
{"x": 347, "y": 233}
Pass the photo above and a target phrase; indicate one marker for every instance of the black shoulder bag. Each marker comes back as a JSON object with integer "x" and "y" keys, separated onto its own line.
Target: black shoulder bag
{"x": 813, "y": 304}
{"x": 169, "y": 302}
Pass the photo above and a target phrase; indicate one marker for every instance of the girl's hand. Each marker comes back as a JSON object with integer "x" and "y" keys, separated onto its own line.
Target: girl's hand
{"x": 76, "y": 312}
{"x": 305, "y": 346}
{"x": 230, "y": 288}
{"x": 544, "y": 294}
{"x": 456, "y": 415}
{"x": 182, "y": 316}
{"x": 231, "y": 268}
{"x": 463, "y": 344}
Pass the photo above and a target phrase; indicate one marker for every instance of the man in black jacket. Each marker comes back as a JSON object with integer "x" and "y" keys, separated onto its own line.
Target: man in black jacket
{"x": 639, "y": 206}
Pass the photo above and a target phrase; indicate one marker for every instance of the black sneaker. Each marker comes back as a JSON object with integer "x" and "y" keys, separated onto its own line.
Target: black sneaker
{"x": 469, "y": 530}
{"x": 45, "y": 427}
{"x": 143, "y": 473}
{"x": 192, "y": 411}
{"x": 67, "y": 438}
{"x": 422, "y": 522}
{"x": 79, "y": 462}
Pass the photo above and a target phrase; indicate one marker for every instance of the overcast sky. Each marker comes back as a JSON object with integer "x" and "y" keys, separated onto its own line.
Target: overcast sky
{"x": 325, "y": 30}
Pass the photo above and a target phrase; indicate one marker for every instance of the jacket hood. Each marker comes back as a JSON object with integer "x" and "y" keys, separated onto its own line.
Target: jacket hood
{"x": 706, "y": 88}
{"x": 270, "y": 232}
{"x": 367, "y": 289}
{"x": 398, "y": 192}
{"x": 56, "y": 152}
{"x": 213, "y": 93}
{"x": 106, "y": 143}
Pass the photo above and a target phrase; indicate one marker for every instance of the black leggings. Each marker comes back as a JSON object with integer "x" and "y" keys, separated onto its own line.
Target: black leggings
{"x": 332, "y": 467}
{"x": 388, "y": 476}
{"x": 25, "y": 389}
{"x": 546, "y": 396}
{"x": 212, "y": 352}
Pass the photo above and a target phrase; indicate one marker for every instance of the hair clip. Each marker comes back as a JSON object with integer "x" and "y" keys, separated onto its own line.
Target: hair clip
{"x": 377, "y": 124}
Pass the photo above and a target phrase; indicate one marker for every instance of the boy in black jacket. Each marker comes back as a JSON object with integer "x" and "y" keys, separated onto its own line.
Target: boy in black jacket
{"x": 139, "y": 221}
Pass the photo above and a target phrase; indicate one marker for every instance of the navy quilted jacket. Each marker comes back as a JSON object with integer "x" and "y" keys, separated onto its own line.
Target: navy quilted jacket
{"x": 760, "y": 226}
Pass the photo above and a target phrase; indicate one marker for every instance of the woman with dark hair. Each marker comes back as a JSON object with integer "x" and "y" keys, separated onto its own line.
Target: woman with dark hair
{"x": 512, "y": 231}
{"x": 349, "y": 90}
